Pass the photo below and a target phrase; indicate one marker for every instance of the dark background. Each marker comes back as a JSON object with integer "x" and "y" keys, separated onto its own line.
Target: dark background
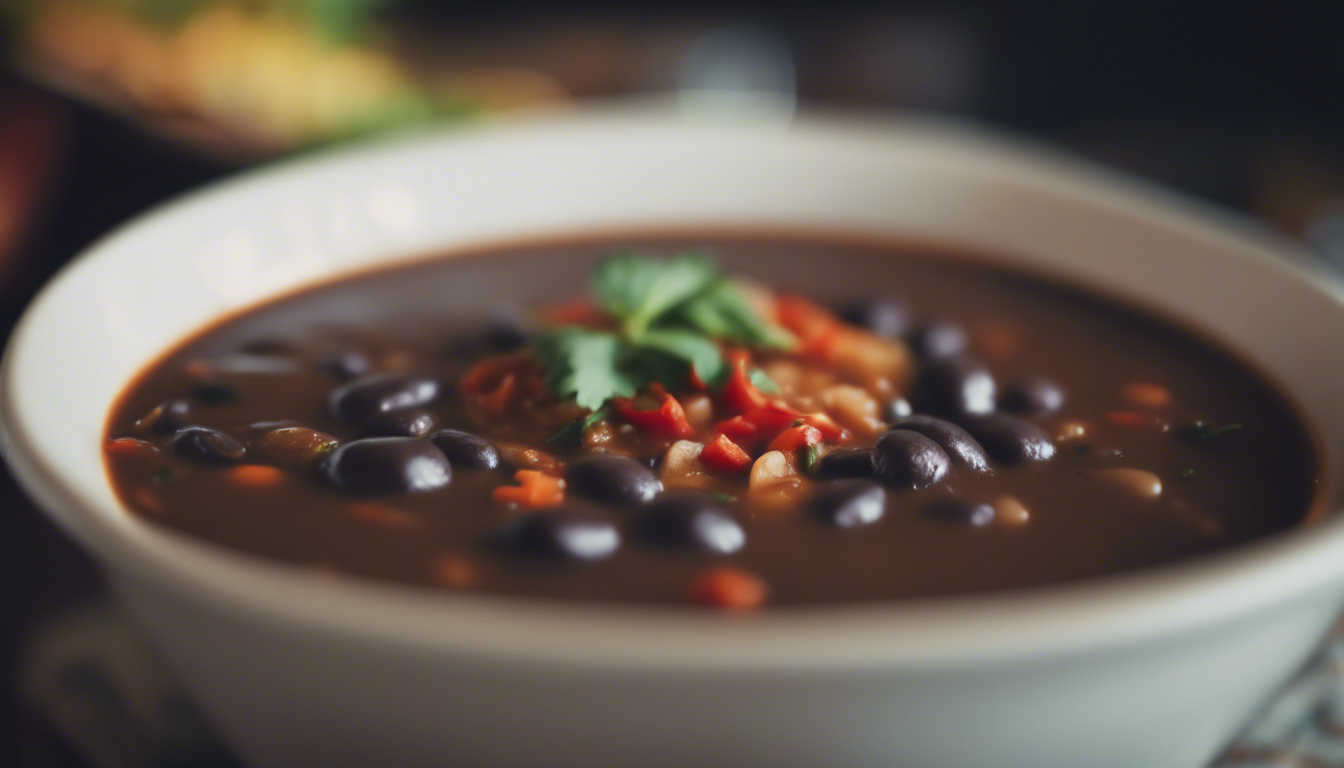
{"x": 1239, "y": 105}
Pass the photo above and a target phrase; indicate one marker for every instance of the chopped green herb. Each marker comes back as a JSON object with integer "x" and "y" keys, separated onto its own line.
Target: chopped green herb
{"x": 576, "y": 428}
{"x": 809, "y": 457}
{"x": 763, "y": 382}
{"x": 584, "y": 365}
{"x": 722, "y": 312}
{"x": 164, "y": 476}
{"x": 700, "y": 352}
{"x": 638, "y": 289}
{"x": 214, "y": 393}
{"x": 1201, "y": 432}
{"x": 1186, "y": 474}
{"x": 672, "y": 315}
{"x": 724, "y": 497}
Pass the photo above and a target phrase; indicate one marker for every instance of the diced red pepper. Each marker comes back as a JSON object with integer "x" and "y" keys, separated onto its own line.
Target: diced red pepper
{"x": 794, "y": 438}
{"x": 534, "y": 489}
{"x": 669, "y": 418}
{"x": 724, "y": 456}
{"x": 738, "y": 429}
{"x": 772, "y": 418}
{"x": 739, "y": 394}
{"x": 730, "y": 589}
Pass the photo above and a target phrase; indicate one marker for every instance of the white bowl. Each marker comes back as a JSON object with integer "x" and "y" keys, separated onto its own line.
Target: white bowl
{"x": 1155, "y": 669}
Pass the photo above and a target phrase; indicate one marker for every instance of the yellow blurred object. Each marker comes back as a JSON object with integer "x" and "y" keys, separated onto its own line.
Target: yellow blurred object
{"x": 262, "y": 72}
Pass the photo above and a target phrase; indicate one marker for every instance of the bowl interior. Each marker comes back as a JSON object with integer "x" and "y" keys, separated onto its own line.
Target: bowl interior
{"x": 172, "y": 271}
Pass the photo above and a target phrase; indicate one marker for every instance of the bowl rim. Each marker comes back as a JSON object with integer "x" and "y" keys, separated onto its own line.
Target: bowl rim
{"x": 1018, "y": 624}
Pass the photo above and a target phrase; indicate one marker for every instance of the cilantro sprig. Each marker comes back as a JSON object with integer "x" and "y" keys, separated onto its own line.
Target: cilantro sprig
{"x": 670, "y": 318}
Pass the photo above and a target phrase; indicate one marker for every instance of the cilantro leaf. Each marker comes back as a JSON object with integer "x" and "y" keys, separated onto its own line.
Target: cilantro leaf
{"x": 720, "y": 310}
{"x": 699, "y": 351}
{"x": 671, "y": 316}
{"x": 638, "y": 290}
{"x": 584, "y": 365}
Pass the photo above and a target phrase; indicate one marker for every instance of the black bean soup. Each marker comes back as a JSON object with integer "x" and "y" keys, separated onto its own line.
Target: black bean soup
{"x": 727, "y": 421}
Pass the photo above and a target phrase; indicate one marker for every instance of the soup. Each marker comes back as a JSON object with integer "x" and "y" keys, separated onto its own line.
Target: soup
{"x": 724, "y": 420}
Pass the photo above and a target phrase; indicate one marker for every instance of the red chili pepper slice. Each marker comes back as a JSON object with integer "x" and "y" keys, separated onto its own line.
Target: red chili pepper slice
{"x": 724, "y": 456}
{"x": 738, "y": 429}
{"x": 739, "y": 394}
{"x": 669, "y": 418}
{"x": 794, "y": 438}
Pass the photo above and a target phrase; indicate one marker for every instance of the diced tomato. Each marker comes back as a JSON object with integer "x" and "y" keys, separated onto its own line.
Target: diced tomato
{"x": 729, "y": 588}
{"x": 668, "y": 418}
{"x": 255, "y": 476}
{"x": 739, "y": 394}
{"x": 534, "y": 489}
{"x": 794, "y": 438}
{"x": 738, "y": 429}
{"x": 724, "y": 456}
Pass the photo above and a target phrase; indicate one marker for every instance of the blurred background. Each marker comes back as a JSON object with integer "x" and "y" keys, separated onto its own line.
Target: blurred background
{"x": 110, "y": 106}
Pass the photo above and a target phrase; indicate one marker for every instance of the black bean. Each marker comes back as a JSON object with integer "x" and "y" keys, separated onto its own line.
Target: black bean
{"x": 465, "y": 450}
{"x": 1010, "y": 440}
{"x": 888, "y": 316}
{"x": 208, "y": 445}
{"x": 559, "y": 535}
{"x": 388, "y": 465}
{"x": 380, "y": 393}
{"x": 409, "y": 423}
{"x": 976, "y": 513}
{"x": 166, "y": 417}
{"x": 898, "y": 409}
{"x": 936, "y": 340}
{"x": 905, "y": 459}
{"x": 846, "y": 462}
{"x": 687, "y": 518}
{"x": 954, "y": 387}
{"x": 344, "y": 364}
{"x": 957, "y": 442}
{"x": 1034, "y": 396}
{"x": 612, "y": 480}
{"x": 849, "y": 503}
